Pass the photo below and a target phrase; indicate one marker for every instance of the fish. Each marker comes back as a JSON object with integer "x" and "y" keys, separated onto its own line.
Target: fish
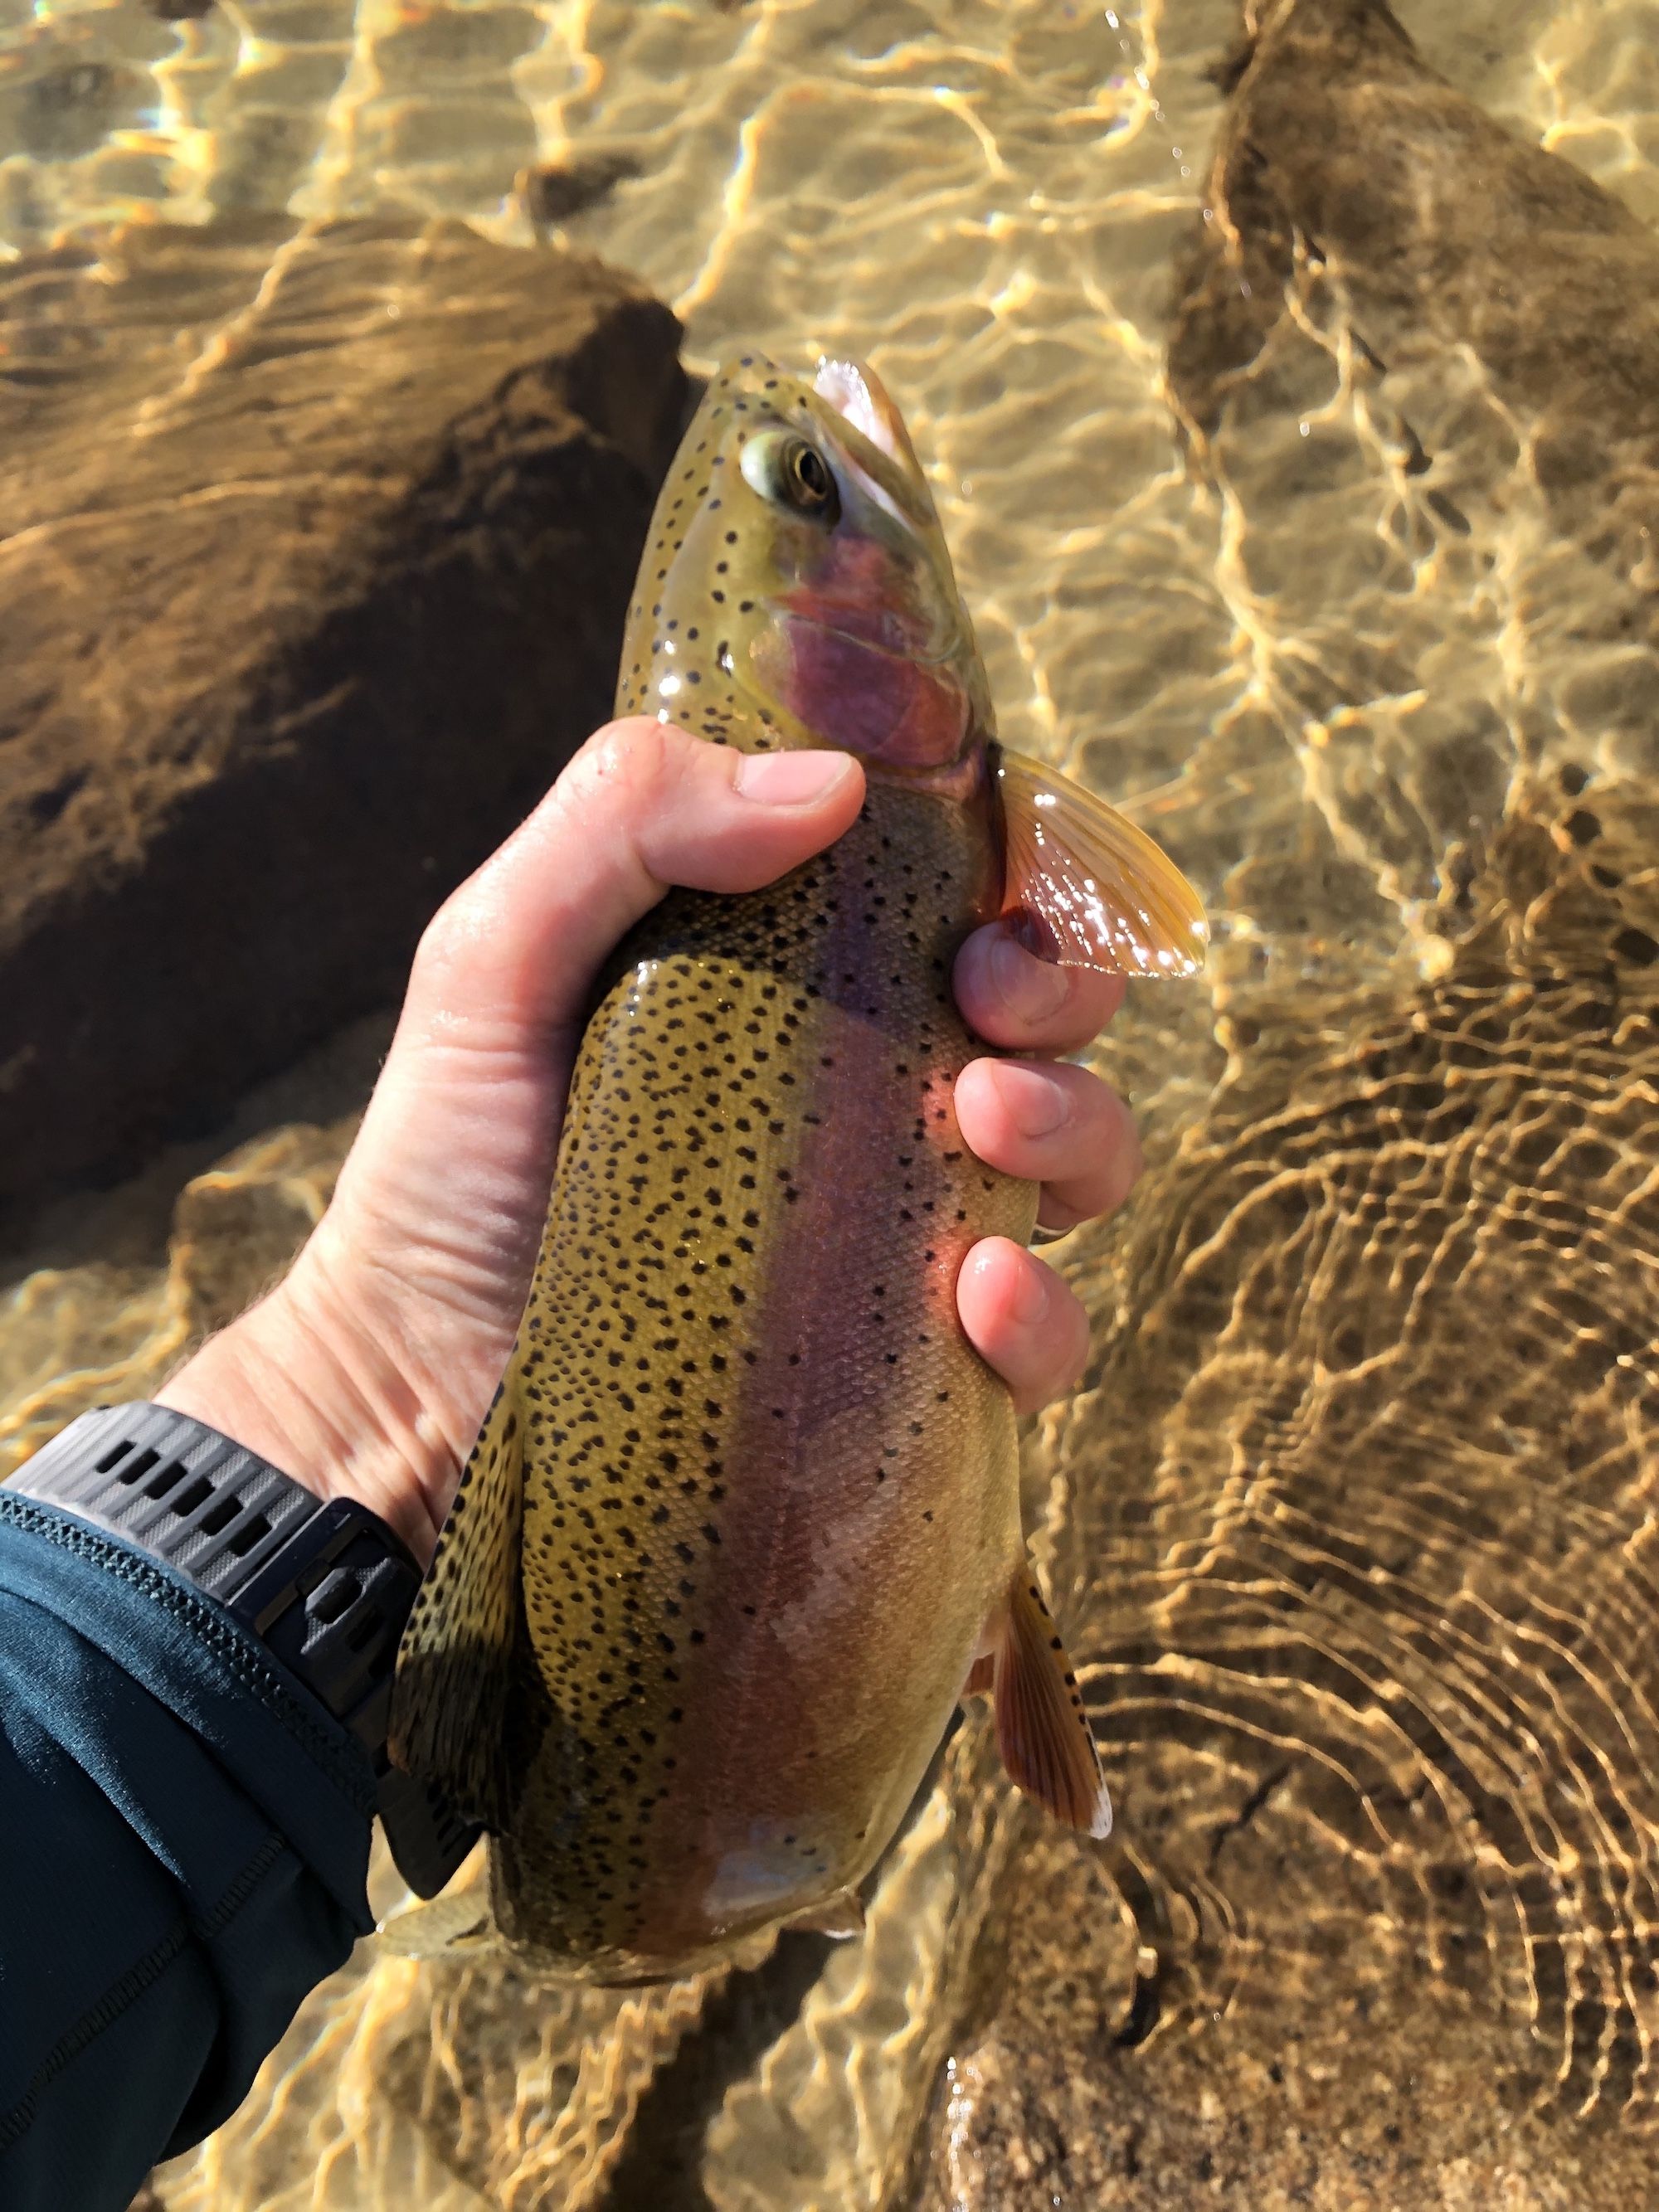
{"x": 742, "y": 1525}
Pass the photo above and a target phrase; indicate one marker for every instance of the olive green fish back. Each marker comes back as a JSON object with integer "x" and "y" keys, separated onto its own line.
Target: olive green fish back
{"x": 675, "y": 663}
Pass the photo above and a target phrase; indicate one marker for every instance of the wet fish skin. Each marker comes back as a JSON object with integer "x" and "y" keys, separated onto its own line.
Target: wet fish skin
{"x": 745, "y": 1514}
{"x": 819, "y": 1472}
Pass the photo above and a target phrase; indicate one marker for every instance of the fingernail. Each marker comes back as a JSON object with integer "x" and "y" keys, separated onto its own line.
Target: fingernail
{"x": 1030, "y": 1299}
{"x": 1029, "y": 988}
{"x": 790, "y": 779}
{"x": 1039, "y": 1104}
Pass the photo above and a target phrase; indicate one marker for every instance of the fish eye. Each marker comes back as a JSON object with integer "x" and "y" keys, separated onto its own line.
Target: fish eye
{"x": 792, "y": 472}
{"x": 809, "y": 479}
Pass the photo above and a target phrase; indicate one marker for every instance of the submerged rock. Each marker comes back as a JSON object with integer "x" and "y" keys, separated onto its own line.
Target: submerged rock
{"x": 1355, "y": 1504}
{"x": 1346, "y": 165}
{"x": 319, "y": 541}
{"x": 1360, "y": 1525}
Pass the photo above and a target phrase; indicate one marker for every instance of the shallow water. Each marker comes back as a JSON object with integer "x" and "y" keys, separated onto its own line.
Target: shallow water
{"x": 1352, "y": 1524}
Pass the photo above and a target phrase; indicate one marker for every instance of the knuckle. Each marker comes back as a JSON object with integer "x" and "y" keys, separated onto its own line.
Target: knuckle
{"x": 445, "y": 937}
{"x": 468, "y": 918}
{"x": 623, "y": 766}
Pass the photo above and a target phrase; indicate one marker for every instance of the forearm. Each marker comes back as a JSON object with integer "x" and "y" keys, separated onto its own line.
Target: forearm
{"x": 301, "y": 1379}
{"x": 183, "y": 1856}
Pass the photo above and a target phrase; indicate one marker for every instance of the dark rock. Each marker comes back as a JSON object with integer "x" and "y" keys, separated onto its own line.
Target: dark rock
{"x": 553, "y": 191}
{"x": 1440, "y": 229}
{"x": 58, "y": 109}
{"x": 319, "y": 543}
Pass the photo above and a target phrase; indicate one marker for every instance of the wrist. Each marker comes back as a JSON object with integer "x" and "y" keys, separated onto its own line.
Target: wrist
{"x": 296, "y": 1381}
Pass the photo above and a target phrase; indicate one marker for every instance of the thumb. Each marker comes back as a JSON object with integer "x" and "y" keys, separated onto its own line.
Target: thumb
{"x": 448, "y": 1177}
{"x": 513, "y": 952}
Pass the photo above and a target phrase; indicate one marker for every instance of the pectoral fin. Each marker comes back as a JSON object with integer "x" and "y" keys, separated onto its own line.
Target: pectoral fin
{"x": 1042, "y": 1731}
{"x": 1096, "y": 891}
{"x": 449, "y": 1700}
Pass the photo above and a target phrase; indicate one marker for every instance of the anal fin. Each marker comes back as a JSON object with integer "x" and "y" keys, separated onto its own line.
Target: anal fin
{"x": 1042, "y": 1731}
{"x": 454, "y": 1663}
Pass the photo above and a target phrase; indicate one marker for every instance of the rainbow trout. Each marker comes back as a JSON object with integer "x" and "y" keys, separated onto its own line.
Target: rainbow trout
{"x": 743, "y": 1523}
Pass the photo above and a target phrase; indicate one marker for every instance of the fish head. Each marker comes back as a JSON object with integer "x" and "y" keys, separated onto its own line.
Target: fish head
{"x": 798, "y": 589}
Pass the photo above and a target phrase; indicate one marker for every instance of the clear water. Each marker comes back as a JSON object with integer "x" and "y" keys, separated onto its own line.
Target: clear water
{"x": 1357, "y": 1543}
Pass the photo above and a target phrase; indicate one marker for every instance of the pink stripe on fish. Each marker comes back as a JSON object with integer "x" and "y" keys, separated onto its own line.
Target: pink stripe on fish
{"x": 894, "y": 710}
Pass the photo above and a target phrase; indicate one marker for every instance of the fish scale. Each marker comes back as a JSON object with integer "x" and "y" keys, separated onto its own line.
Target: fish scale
{"x": 725, "y": 1321}
{"x": 744, "y": 1518}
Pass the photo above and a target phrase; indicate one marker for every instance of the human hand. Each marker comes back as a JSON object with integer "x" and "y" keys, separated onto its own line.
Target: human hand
{"x": 367, "y": 1372}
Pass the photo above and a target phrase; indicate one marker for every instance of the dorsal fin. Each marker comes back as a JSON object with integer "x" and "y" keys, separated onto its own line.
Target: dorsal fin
{"x": 454, "y": 1663}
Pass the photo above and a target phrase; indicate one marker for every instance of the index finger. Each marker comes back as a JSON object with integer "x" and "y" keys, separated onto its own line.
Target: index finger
{"x": 1012, "y": 999}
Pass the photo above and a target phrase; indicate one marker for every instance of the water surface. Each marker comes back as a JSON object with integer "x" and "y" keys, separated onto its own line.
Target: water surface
{"x": 1352, "y": 1525}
